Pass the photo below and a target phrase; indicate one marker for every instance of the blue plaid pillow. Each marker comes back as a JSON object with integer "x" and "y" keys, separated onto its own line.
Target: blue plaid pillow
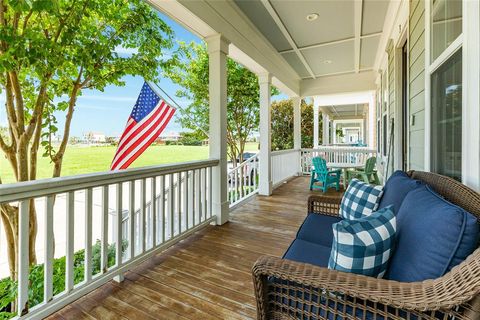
{"x": 360, "y": 200}
{"x": 364, "y": 246}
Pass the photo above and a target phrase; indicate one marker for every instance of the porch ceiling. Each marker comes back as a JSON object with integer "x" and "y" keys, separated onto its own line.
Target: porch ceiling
{"x": 343, "y": 39}
{"x": 346, "y": 111}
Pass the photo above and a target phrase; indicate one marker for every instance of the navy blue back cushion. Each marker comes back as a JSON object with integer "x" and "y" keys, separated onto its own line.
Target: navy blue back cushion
{"x": 317, "y": 228}
{"x": 433, "y": 236}
{"x": 397, "y": 187}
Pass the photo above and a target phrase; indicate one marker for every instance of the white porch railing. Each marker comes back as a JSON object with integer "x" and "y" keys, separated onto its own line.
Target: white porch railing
{"x": 284, "y": 165}
{"x": 353, "y": 155}
{"x": 152, "y": 208}
{"x": 243, "y": 181}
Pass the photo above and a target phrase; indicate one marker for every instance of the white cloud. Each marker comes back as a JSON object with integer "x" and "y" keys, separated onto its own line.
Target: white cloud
{"x": 125, "y": 51}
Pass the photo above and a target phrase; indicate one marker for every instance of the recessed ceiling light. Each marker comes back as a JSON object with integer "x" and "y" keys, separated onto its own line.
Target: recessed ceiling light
{"x": 327, "y": 61}
{"x": 312, "y": 16}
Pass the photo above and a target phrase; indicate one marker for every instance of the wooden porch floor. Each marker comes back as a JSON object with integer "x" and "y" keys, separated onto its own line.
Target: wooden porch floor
{"x": 206, "y": 276}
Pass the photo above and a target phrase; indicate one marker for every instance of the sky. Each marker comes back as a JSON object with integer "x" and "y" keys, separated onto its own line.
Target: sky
{"x": 108, "y": 111}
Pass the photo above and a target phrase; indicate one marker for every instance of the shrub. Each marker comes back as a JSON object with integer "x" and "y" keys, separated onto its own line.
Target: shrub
{"x": 8, "y": 287}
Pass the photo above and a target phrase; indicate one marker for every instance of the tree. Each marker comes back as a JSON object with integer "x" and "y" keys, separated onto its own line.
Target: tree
{"x": 191, "y": 73}
{"x": 50, "y": 51}
{"x": 282, "y": 125}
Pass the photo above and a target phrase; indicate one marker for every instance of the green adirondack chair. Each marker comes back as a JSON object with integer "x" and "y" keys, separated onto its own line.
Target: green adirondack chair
{"x": 367, "y": 174}
{"x": 320, "y": 173}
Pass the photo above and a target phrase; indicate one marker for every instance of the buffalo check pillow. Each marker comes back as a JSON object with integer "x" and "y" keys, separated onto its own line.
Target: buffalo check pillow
{"x": 365, "y": 245}
{"x": 360, "y": 200}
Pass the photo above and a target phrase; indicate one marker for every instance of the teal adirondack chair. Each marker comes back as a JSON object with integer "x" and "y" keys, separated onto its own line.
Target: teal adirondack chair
{"x": 367, "y": 174}
{"x": 320, "y": 173}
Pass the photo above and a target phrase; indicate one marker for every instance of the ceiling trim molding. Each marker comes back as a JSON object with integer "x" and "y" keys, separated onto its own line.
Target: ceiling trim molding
{"x": 338, "y": 84}
{"x": 338, "y": 73}
{"x": 287, "y": 35}
{"x": 324, "y": 44}
{"x": 358, "y": 31}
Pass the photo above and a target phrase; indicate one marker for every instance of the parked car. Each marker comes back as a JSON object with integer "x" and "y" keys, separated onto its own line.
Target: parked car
{"x": 250, "y": 169}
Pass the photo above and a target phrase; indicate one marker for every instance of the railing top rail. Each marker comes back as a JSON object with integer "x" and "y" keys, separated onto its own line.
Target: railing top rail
{"x": 44, "y": 187}
{"x": 279, "y": 152}
{"x": 346, "y": 149}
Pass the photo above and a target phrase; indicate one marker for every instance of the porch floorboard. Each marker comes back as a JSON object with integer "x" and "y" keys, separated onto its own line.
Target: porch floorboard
{"x": 206, "y": 276}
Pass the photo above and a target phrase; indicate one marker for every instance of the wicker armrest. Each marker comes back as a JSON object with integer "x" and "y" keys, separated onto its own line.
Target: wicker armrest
{"x": 452, "y": 294}
{"x": 326, "y": 205}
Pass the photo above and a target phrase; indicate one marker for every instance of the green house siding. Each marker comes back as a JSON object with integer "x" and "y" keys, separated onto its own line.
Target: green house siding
{"x": 417, "y": 84}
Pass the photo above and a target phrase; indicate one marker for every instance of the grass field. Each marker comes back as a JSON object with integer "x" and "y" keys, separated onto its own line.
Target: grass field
{"x": 83, "y": 159}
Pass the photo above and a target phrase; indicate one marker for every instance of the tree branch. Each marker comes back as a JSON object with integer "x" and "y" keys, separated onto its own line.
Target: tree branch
{"x": 38, "y": 109}
{"x": 10, "y": 108}
{"x": 20, "y": 108}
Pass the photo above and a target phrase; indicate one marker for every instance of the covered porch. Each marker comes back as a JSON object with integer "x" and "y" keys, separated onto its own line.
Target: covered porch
{"x": 179, "y": 241}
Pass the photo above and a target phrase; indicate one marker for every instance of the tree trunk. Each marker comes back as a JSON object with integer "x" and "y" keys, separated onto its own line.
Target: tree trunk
{"x": 10, "y": 225}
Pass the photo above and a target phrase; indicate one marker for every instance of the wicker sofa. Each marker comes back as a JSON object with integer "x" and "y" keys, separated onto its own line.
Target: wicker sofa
{"x": 286, "y": 289}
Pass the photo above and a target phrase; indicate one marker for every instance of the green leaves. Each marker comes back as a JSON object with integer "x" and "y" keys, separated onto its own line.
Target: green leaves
{"x": 8, "y": 288}
{"x": 57, "y": 48}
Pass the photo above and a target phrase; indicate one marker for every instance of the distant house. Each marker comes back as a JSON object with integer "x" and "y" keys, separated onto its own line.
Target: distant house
{"x": 169, "y": 136}
{"x": 94, "y": 137}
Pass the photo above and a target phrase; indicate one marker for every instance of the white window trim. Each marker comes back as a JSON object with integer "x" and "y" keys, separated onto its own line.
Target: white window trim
{"x": 469, "y": 40}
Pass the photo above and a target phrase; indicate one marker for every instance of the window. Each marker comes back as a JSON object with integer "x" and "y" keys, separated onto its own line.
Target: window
{"x": 446, "y": 25}
{"x": 446, "y": 117}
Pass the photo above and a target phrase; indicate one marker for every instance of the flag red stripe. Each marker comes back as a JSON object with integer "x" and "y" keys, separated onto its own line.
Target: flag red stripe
{"x": 142, "y": 140}
{"x": 146, "y": 144}
{"x": 136, "y": 131}
{"x": 137, "y": 127}
{"x": 138, "y": 139}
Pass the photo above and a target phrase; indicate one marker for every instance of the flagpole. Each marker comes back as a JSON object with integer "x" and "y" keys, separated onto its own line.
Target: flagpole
{"x": 178, "y": 106}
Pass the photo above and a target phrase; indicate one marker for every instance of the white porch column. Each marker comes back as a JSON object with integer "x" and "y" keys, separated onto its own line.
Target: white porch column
{"x": 297, "y": 130}
{"x": 297, "y": 123}
{"x": 326, "y": 129}
{"x": 316, "y": 105}
{"x": 372, "y": 123}
{"x": 265, "y": 183}
{"x": 334, "y": 132}
{"x": 217, "y": 57}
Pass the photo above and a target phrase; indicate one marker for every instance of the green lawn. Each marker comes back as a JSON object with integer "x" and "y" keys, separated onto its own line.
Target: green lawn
{"x": 82, "y": 159}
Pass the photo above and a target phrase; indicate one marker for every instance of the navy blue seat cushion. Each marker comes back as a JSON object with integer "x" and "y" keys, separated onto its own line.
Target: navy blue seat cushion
{"x": 396, "y": 188}
{"x": 317, "y": 228}
{"x": 308, "y": 252}
{"x": 433, "y": 236}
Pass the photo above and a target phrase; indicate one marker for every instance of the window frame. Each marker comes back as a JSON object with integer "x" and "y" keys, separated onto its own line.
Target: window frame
{"x": 469, "y": 41}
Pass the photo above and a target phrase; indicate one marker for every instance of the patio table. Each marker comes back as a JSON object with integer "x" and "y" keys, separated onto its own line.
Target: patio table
{"x": 344, "y": 166}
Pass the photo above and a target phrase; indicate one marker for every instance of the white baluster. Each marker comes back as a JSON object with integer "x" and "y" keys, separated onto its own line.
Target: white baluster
{"x": 210, "y": 192}
{"x": 23, "y": 255}
{"x": 143, "y": 212}
{"x": 70, "y": 241}
{"x": 104, "y": 236}
{"x": 153, "y": 210}
{"x": 185, "y": 199}
{"x": 88, "y": 234}
{"x": 161, "y": 209}
{"x": 204, "y": 193}
{"x": 179, "y": 202}
{"x": 171, "y": 205}
{"x": 48, "y": 257}
{"x": 118, "y": 232}
{"x": 131, "y": 217}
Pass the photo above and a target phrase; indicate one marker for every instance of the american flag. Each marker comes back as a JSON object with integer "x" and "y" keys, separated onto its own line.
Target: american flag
{"x": 149, "y": 117}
